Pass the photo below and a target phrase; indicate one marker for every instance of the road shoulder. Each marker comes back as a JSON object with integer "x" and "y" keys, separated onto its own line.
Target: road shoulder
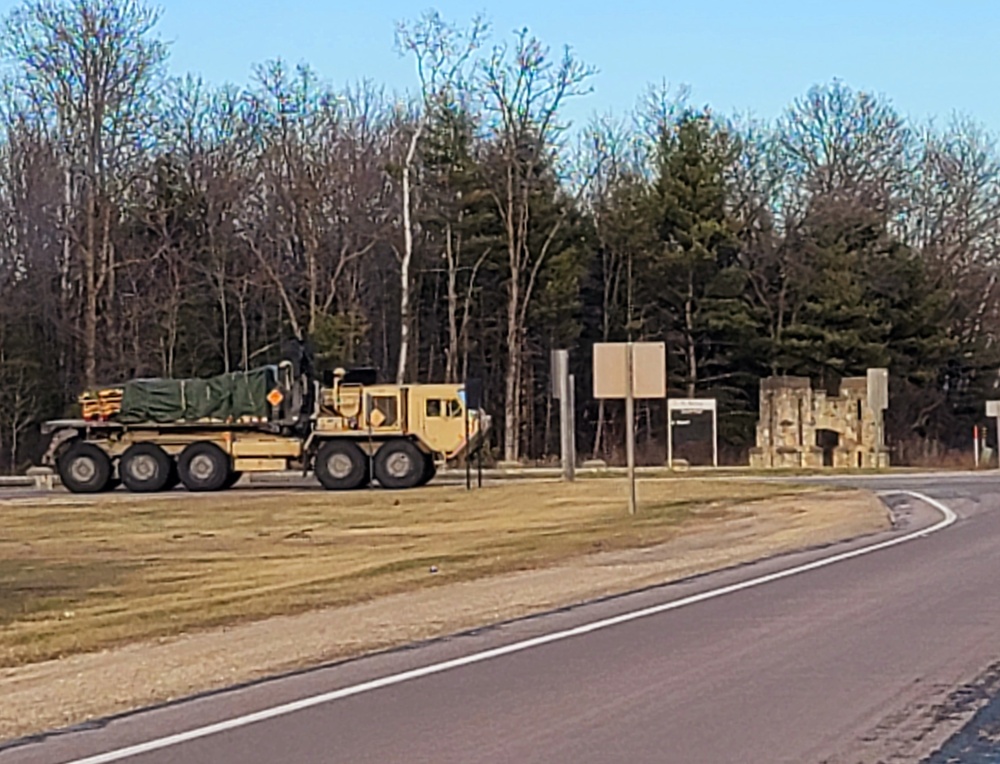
{"x": 55, "y": 694}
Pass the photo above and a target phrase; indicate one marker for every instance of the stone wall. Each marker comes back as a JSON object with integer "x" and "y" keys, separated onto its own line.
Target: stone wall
{"x": 800, "y": 427}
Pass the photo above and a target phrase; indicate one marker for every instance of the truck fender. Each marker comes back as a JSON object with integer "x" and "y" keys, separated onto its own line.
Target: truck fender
{"x": 58, "y": 443}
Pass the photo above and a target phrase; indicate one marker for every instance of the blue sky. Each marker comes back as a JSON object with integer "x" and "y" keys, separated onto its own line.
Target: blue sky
{"x": 932, "y": 58}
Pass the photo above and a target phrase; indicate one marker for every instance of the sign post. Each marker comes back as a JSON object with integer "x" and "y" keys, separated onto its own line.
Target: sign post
{"x": 630, "y": 424}
{"x": 630, "y": 370}
{"x": 993, "y": 410}
{"x": 715, "y": 435}
{"x": 571, "y": 408}
{"x": 562, "y": 391}
{"x": 472, "y": 394}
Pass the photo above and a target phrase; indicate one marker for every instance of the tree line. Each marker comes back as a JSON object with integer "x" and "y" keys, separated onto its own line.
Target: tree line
{"x": 157, "y": 225}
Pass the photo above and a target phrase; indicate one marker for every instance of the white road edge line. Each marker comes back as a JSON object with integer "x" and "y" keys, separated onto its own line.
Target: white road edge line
{"x": 516, "y": 647}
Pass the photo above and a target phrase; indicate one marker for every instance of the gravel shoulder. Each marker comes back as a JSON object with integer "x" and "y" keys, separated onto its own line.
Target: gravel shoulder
{"x": 71, "y": 690}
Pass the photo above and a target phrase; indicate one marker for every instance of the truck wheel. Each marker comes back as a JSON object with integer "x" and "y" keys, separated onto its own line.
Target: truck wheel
{"x": 204, "y": 467}
{"x": 145, "y": 468}
{"x": 399, "y": 464}
{"x": 430, "y": 470}
{"x": 341, "y": 466}
{"x": 84, "y": 468}
{"x": 233, "y": 479}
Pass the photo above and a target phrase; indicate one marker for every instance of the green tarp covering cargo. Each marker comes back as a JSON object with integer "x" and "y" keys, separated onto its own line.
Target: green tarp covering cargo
{"x": 226, "y": 397}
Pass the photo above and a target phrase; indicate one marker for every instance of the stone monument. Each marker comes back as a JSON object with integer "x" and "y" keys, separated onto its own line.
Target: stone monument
{"x": 801, "y": 427}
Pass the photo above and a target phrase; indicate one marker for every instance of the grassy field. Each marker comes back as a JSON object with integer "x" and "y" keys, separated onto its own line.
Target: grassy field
{"x": 78, "y": 574}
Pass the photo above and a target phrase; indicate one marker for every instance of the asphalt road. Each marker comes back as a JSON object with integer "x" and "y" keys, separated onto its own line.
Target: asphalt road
{"x": 880, "y": 657}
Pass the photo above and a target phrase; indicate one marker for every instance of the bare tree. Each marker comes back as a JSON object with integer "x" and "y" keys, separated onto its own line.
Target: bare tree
{"x": 766, "y": 215}
{"x": 616, "y": 199}
{"x": 954, "y": 219}
{"x": 444, "y": 54}
{"x": 320, "y": 202}
{"x": 524, "y": 91}
{"x": 840, "y": 143}
{"x": 210, "y": 136}
{"x": 89, "y": 69}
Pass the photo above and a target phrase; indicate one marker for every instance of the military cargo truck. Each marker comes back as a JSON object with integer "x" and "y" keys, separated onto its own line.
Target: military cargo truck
{"x": 153, "y": 434}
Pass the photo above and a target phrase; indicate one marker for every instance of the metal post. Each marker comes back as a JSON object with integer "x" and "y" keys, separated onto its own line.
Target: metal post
{"x": 975, "y": 445}
{"x": 479, "y": 462}
{"x": 630, "y": 427}
{"x": 565, "y": 424}
{"x": 715, "y": 435}
{"x": 371, "y": 445}
{"x": 982, "y": 442}
{"x": 571, "y": 394}
{"x": 670, "y": 437}
{"x": 879, "y": 438}
{"x": 468, "y": 453}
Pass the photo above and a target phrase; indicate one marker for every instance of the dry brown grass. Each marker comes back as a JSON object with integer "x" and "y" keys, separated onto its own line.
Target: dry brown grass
{"x": 79, "y": 574}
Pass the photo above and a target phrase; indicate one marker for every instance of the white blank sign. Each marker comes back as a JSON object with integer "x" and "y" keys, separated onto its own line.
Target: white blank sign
{"x": 878, "y": 389}
{"x": 649, "y": 370}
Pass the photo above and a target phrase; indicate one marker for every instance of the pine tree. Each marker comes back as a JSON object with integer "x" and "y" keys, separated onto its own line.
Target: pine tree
{"x": 837, "y": 329}
{"x": 691, "y": 283}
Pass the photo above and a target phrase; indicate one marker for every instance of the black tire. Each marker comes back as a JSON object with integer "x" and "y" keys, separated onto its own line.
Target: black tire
{"x": 399, "y": 464}
{"x": 430, "y": 470}
{"x": 146, "y": 468}
{"x": 84, "y": 468}
{"x": 341, "y": 466}
{"x": 204, "y": 467}
{"x": 234, "y": 478}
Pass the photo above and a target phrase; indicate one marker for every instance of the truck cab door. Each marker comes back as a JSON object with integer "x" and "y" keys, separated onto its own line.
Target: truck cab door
{"x": 444, "y": 423}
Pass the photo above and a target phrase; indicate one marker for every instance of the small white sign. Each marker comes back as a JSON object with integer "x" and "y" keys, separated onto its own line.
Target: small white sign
{"x": 993, "y": 408}
{"x": 691, "y": 404}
